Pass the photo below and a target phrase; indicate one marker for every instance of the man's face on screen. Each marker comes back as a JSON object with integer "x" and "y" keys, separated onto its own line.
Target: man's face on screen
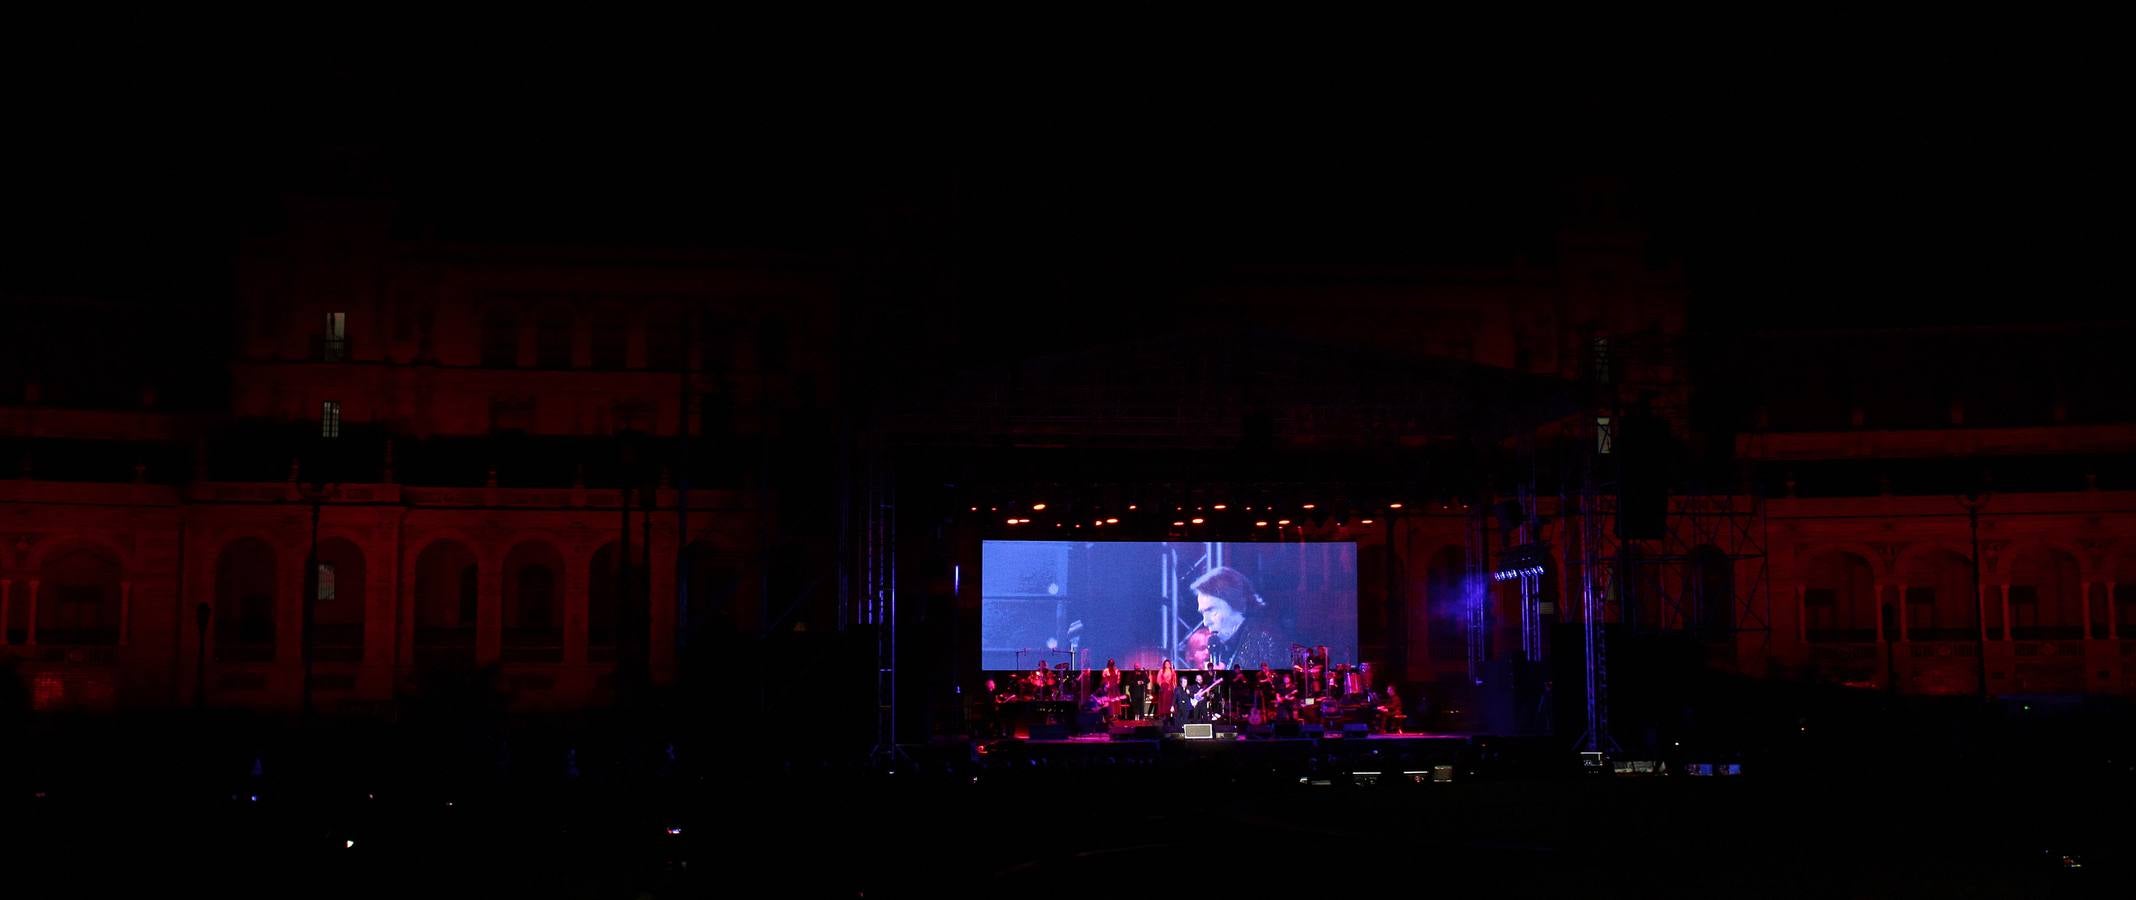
{"x": 1216, "y": 614}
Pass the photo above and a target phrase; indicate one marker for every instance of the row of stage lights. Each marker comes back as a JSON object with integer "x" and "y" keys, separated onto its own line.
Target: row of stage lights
{"x": 1187, "y": 521}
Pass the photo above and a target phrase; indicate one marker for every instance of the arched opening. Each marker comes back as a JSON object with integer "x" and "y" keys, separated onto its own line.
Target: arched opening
{"x": 533, "y": 604}
{"x": 1839, "y": 603}
{"x": 1446, "y": 606}
{"x": 446, "y": 592}
{"x": 714, "y": 583}
{"x": 245, "y": 602}
{"x": 603, "y": 603}
{"x": 1709, "y": 591}
{"x": 2123, "y": 596}
{"x": 1940, "y": 601}
{"x": 2044, "y": 595}
{"x": 552, "y": 338}
{"x": 500, "y": 339}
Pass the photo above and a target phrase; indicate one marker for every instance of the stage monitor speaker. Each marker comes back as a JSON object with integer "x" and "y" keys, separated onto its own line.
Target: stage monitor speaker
{"x": 1356, "y": 729}
{"x": 1199, "y": 731}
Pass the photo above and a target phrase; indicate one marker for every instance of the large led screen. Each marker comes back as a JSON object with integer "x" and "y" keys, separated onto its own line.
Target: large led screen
{"x": 1201, "y": 604}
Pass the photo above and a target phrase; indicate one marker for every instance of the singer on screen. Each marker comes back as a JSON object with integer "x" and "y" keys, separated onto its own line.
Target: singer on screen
{"x": 1238, "y": 628}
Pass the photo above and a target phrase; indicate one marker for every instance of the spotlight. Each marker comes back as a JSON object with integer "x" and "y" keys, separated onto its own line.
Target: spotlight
{"x": 1394, "y": 506}
{"x": 1261, "y": 524}
{"x": 1113, "y": 521}
{"x": 1283, "y": 521}
{"x": 1524, "y": 561}
{"x": 1221, "y": 506}
{"x": 1197, "y": 520}
{"x": 1038, "y": 507}
{"x": 1364, "y": 521}
{"x": 1309, "y": 506}
{"x": 1179, "y": 524}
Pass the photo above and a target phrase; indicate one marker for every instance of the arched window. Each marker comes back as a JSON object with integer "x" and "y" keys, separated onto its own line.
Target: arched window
{"x": 338, "y": 610}
{"x": 552, "y": 338}
{"x": 500, "y": 339}
{"x": 79, "y": 602}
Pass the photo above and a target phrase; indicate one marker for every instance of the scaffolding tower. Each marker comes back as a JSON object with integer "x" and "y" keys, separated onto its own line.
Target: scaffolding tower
{"x": 1708, "y": 573}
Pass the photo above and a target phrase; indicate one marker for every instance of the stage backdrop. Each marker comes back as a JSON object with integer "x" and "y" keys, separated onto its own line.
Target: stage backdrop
{"x": 1084, "y": 602}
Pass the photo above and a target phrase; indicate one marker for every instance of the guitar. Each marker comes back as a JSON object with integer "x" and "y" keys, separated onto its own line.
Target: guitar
{"x": 1196, "y": 699}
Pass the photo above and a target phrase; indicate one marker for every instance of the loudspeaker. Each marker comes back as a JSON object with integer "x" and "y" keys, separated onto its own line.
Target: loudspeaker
{"x": 1641, "y": 447}
{"x": 1199, "y": 731}
{"x": 1356, "y": 729}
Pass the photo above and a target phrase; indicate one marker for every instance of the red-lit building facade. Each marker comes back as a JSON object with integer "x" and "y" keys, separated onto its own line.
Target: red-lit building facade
{"x": 462, "y": 421}
{"x": 466, "y": 418}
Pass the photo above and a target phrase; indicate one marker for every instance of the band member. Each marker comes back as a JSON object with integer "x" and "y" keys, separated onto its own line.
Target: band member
{"x": 1391, "y": 715}
{"x": 990, "y": 701}
{"x": 1167, "y": 689}
{"x": 1264, "y": 696}
{"x": 1109, "y": 688}
{"x": 1196, "y": 700}
{"x": 1286, "y": 698}
{"x": 1039, "y": 686}
{"x": 1138, "y": 693}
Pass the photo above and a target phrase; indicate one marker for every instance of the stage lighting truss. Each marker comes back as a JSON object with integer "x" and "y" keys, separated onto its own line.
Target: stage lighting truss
{"x": 1524, "y": 561}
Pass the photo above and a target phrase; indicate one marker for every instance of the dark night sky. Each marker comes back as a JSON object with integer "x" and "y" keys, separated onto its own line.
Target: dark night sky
{"x": 1846, "y": 203}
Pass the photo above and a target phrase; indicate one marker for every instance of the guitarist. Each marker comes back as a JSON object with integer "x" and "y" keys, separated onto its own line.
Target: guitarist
{"x": 1286, "y": 698}
{"x": 1264, "y": 697}
{"x": 1201, "y": 707}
